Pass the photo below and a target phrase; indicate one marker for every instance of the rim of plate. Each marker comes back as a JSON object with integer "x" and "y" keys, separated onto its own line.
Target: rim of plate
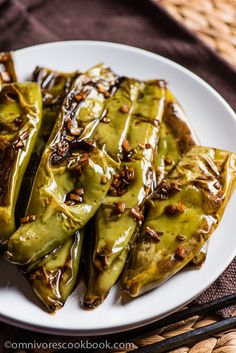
{"x": 131, "y": 325}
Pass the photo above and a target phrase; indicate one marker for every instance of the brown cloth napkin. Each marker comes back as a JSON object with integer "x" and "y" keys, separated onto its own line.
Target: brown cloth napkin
{"x": 141, "y": 23}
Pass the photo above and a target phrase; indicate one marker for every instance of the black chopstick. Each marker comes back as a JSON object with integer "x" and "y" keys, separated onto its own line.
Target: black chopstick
{"x": 188, "y": 337}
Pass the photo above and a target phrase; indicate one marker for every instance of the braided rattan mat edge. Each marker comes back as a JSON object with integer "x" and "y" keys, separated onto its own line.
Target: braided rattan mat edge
{"x": 214, "y": 21}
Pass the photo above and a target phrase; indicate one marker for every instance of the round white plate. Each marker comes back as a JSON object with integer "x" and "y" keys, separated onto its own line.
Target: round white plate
{"x": 215, "y": 125}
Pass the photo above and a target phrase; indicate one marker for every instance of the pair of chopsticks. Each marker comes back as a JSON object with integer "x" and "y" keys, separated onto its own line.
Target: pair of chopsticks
{"x": 186, "y": 338}
{"x": 191, "y": 336}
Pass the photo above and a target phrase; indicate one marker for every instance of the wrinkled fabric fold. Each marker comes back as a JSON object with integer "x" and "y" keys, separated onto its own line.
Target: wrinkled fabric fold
{"x": 19, "y": 28}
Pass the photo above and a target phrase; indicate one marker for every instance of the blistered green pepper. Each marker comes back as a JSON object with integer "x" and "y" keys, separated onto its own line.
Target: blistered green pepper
{"x": 7, "y": 70}
{"x": 99, "y": 283}
{"x": 54, "y": 277}
{"x": 176, "y": 138}
{"x": 74, "y": 175}
{"x": 117, "y": 218}
{"x": 110, "y": 135}
{"x": 54, "y": 86}
{"x": 20, "y": 119}
{"x": 185, "y": 210}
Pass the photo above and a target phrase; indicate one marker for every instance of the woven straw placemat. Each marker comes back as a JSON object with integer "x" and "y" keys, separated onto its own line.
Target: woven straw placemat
{"x": 214, "y": 21}
{"x": 224, "y": 342}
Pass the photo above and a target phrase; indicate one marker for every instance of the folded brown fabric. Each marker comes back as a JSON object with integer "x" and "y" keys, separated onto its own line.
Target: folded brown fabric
{"x": 225, "y": 285}
{"x": 141, "y": 23}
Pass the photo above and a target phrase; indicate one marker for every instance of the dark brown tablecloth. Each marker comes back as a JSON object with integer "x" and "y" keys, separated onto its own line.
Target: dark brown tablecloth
{"x": 136, "y": 22}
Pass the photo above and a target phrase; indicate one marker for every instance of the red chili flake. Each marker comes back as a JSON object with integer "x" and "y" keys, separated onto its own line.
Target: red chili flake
{"x": 171, "y": 209}
{"x": 112, "y": 191}
{"x": 180, "y": 252}
{"x": 84, "y": 159}
{"x": 120, "y": 207}
{"x": 68, "y": 124}
{"x": 153, "y": 234}
{"x": 175, "y": 209}
{"x": 217, "y": 185}
{"x": 80, "y": 96}
{"x": 124, "y": 109}
{"x": 181, "y": 237}
{"x": 121, "y": 181}
{"x": 28, "y": 219}
{"x": 101, "y": 88}
{"x": 168, "y": 161}
{"x": 116, "y": 182}
{"x": 126, "y": 145}
{"x": 129, "y": 174}
{"x": 147, "y": 145}
{"x": 19, "y": 144}
{"x": 24, "y": 135}
{"x": 76, "y": 198}
{"x": 79, "y": 191}
{"x": 136, "y": 212}
{"x": 74, "y": 131}
{"x": 107, "y": 94}
{"x": 62, "y": 148}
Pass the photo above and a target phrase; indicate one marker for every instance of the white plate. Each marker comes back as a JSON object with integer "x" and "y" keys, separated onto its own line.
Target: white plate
{"x": 215, "y": 125}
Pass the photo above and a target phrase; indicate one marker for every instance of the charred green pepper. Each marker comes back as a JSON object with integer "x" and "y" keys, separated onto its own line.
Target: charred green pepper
{"x": 117, "y": 218}
{"x": 185, "y": 210}
{"x": 54, "y": 277}
{"x": 54, "y": 86}
{"x": 20, "y": 119}
{"x": 176, "y": 138}
{"x": 99, "y": 283}
{"x": 106, "y": 279}
{"x": 74, "y": 175}
{"x": 7, "y": 70}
